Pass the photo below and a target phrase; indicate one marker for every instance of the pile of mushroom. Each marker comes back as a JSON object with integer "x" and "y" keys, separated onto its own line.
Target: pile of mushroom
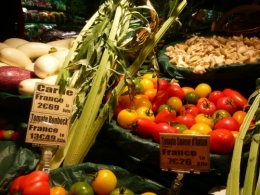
{"x": 201, "y": 53}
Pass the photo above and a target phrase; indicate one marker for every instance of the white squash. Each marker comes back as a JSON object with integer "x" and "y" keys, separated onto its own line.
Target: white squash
{"x": 62, "y": 43}
{"x": 26, "y": 87}
{"x": 46, "y": 65}
{"x": 50, "y": 80}
{"x": 14, "y": 57}
{"x": 14, "y": 42}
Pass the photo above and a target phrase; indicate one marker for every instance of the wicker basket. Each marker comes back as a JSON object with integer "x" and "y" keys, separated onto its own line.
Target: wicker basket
{"x": 240, "y": 20}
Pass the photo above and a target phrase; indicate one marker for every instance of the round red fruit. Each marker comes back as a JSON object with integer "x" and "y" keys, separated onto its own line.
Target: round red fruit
{"x": 176, "y": 91}
{"x": 206, "y": 107}
{"x": 221, "y": 141}
{"x": 215, "y": 95}
{"x": 228, "y": 104}
{"x": 228, "y": 123}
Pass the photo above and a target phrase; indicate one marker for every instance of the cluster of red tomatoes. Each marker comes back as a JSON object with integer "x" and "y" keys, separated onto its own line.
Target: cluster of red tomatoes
{"x": 166, "y": 107}
{"x": 104, "y": 182}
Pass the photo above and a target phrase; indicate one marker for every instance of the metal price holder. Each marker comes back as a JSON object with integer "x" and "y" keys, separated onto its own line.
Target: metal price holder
{"x": 184, "y": 154}
{"x": 49, "y": 120}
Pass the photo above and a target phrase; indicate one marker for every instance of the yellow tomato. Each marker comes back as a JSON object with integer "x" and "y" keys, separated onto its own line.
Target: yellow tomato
{"x": 202, "y": 118}
{"x": 147, "y": 84}
{"x": 142, "y": 102}
{"x": 202, "y": 90}
{"x": 175, "y": 103}
{"x": 104, "y": 182}
{"x": 145, "y": 112}
{"x": 125, "y": 117}
{"x": 201, "y": 128}
{"x": 188, "y": 131}
{"x": 150, "y": 76}
{"x": 148, "y": 193}
{"x": 58, "y": 190}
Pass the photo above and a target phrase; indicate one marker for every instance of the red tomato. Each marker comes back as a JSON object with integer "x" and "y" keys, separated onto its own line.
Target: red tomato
{"x": 186, "y": 119}
{"x": 227, "y": 103}
{"x": 238, "y": 98}
{"x": 160, "y": 98}
{"x": 165, "y": 116}
{"x": 163, "y": 84}
{"x": 206, "y": 107}
{"x": 176, "y": 91}
{"x": 163, "y": 128}
{"x": 143, "y": 127}
{"x": 221, "y": 141}
{"x": 189, "y": 109}
{"x": 215, "y": 95}
{"x": 37, "y": 182}
{"x": 228, "y": 123}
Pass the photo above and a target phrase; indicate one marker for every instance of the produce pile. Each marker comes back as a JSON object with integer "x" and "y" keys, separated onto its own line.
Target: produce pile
{"x": 23, "y": 63}
{"x": 164, "y": 106}
{"x": 201, "y": 53}
{"x": 101, "y": 182}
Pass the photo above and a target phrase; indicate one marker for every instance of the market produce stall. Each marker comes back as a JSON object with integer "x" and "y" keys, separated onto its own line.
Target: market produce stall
{"x": 107, "y": 99}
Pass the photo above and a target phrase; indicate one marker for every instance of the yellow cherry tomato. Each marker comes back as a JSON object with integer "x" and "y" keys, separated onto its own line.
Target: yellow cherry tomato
{"x": 145, "y": 112}
{"x": 202, "y": 118}
{"x": 201, "y": 128}
{"x": 148, "y": 193}
{"x": 125, "y": 117}
{"x": 150, "y": 76}
{"x": 105, "y": 182}
{"x": 203, "y": 90}
{"x": 175, "y": 103}
{"x": 142, "y": 102}
{"x": 188, "y": 131}
{"x": 147, "y": 84}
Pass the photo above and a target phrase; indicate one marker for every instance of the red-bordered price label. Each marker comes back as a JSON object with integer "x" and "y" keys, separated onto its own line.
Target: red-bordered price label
{"x": 183, "y": 152}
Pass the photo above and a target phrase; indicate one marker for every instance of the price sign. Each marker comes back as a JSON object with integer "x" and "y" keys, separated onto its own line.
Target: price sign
{"x": 49, "y": 118}
{"x": 184, "y": 152}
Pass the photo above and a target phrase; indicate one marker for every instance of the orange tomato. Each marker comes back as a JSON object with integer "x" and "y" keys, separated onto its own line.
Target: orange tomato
{"x": 239, "y": 116}
{"x": 187, "y": 89}
{"x": 235, "y": 134}
{"x": 202, "y": 99}
{"x": 125, "y": 100}
{"x": 150, "y": 93}
{"x": 58, "y": 190}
